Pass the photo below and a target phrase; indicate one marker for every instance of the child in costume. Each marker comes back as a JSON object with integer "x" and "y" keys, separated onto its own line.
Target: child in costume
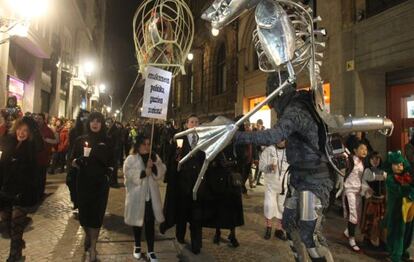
{"x": 400, "y": 207}
{"x": 354, "y": 188}
{"x": 274, "y": 165}
{"x": 374, "y": 207}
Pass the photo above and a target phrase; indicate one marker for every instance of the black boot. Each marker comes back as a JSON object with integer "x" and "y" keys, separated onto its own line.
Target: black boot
{"x": 233, "y": 241}
{"x": 268, "y": 233}
{"x": 16, "y": 248}
{"x": 216, "y": 239}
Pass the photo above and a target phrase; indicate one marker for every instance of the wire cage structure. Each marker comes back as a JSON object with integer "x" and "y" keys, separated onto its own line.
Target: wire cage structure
{"x": 163, "y": 35}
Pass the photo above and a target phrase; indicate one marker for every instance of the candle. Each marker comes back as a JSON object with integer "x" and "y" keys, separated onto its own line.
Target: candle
{"x": 86, "y": 150}
{"x": 180, "y": 143}
{"x": 1, "y": 153}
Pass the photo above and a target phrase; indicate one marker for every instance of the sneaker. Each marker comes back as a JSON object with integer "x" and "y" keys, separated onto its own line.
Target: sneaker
{"x": 137, "y": 252}
{"x": 152, "y": 257}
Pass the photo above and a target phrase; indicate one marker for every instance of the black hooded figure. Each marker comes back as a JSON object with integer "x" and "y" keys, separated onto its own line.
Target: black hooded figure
{"x": 310, "y": 182}
{"x": 93, "y": 156}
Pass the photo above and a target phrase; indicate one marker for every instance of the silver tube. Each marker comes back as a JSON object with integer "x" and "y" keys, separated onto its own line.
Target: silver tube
{"x": 264, "y": 102}
{"x": 355, "y": 124}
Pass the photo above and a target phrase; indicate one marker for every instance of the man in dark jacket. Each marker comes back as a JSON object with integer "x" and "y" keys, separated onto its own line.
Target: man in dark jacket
{"x": 114, "y": 134}
{"x": 310, "y": 182}
{"x": 179, "y": 207}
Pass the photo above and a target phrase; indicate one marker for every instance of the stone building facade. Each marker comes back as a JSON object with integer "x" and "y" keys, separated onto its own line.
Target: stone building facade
{"x": 48, "y": 62}
{"x": 368, "y": 66}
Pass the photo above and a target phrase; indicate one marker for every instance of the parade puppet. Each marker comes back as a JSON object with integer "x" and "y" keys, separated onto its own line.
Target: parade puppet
{"x": 399, "y": 218}
{"x": 286, "y": 44}
{"x": 163, "y": 34}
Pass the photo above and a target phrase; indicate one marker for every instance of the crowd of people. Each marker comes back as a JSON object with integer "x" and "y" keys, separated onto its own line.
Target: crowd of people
{"x": 376, "y": 195}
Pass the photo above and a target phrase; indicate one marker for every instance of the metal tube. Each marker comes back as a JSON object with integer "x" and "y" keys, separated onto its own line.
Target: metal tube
{"x": 264, "y": 102}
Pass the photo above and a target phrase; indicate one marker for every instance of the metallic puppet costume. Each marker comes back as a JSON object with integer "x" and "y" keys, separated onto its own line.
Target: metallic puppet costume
{"x": 286, "y": 44}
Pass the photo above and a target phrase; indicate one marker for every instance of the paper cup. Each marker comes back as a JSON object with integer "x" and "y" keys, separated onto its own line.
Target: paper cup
{"x": 87, "y": 151}
{"x": 180, "y": 143}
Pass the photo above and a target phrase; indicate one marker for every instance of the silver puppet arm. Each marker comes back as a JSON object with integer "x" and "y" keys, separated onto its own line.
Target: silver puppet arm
{"x": 353, "y": 124}
{"x": 218, "y": 134}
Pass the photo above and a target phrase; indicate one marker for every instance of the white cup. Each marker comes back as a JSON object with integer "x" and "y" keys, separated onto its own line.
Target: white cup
{"x": 180, "y": 143}
{"x": 87, "y": 151}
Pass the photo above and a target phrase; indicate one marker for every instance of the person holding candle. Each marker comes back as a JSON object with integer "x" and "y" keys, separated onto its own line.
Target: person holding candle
{"x": 143, "y": 199}
{"x": 92, "y": 156}
{"x": 17, "y": 165}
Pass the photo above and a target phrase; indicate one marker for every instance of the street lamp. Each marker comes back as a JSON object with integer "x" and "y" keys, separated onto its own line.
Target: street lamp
{"x": 89, "y": 67}
{"x": 102, "y": 88}
{"x": 190, "y": 56}
{"x": 22, "y": 12}
{"x": 108, "y": 109}
{"x": 117, "y": 111}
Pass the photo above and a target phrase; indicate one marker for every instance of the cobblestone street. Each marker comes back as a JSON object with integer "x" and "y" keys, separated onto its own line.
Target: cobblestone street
{"x": 55, "y": 235}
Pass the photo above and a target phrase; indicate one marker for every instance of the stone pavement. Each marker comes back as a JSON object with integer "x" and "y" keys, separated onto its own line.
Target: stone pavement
{"x": 55, "y": 235}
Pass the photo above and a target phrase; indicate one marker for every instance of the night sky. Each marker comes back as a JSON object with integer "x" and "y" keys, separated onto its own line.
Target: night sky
{"x": 119, "y": 58}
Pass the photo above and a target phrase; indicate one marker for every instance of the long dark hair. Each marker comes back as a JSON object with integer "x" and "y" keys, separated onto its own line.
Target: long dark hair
{"x": 96, "y": 116}
{"x": 139, "y": 141}
{"x": 79, "y": 127}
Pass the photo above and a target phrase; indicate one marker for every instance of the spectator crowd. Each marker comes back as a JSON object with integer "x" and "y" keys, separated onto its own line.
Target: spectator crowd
{"x": 376, "y": 194}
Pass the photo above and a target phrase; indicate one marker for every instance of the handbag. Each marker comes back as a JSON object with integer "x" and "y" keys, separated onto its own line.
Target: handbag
{"x": 235, "y": 179}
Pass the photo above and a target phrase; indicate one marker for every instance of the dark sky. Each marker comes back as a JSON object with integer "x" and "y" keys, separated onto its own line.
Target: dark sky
{"x": 119, "y": 57}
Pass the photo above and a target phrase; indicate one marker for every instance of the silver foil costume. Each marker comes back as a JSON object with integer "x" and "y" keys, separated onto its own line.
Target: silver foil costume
{"x": 285, "y": 41}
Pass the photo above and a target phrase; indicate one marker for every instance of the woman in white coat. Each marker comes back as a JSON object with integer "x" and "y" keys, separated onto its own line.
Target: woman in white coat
{"x": 274, "y": 166}
{"x": 143, "y": 198}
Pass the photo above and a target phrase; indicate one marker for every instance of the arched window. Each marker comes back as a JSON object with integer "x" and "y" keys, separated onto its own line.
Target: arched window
{"x": 221, "y": 75}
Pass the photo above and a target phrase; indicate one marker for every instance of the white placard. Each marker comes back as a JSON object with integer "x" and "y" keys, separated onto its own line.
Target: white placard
{"x": 156, "y": 93}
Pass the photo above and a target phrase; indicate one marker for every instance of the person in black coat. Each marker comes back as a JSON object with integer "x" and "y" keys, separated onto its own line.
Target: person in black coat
{"x": 222, "y": 197}
{"x": 179, "y": 206}
{"x": 114, "y": 134}
{"x": 93, "y": 156}
{"x": 17, "y": 191}
{"x": 74, "y": 133}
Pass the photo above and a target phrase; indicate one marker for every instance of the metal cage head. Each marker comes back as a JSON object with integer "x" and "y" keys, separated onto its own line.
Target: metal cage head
{"x": 295, "y": 17}
{"x": 163, "y": 34}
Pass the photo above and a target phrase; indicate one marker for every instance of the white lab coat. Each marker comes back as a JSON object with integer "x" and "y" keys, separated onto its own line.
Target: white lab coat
{"x": 275, "y": 181}
{"x": 139, "y": 190}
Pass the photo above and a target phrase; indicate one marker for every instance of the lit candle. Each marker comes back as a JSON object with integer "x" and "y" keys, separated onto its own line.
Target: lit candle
{"x": 180, "y": 143}
{"x": 86, "y": 150}
{"x": 1, "y": 153}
